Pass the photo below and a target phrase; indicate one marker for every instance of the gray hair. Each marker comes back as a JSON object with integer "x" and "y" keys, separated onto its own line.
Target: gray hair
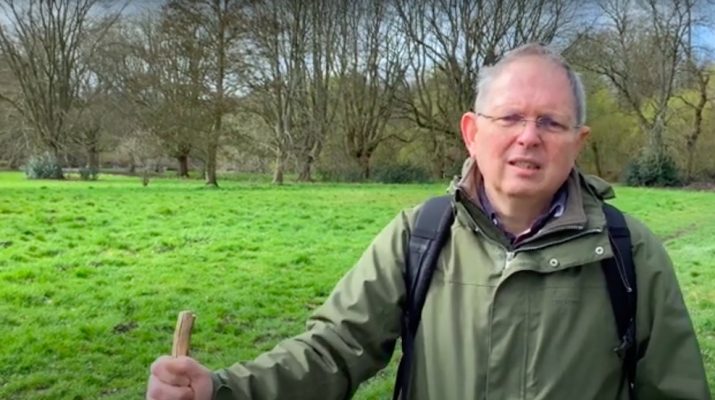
{"x": 487, "y": 74}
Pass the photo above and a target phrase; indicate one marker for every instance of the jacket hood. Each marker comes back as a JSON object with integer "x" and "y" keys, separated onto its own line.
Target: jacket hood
{"x": 598, "y": 187}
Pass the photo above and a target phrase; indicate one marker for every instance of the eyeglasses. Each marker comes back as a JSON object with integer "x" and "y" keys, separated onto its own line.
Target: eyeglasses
{"x": 543, "y": 123}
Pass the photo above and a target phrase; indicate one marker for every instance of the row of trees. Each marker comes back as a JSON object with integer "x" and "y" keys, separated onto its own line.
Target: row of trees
{"x": 337, "y": 85}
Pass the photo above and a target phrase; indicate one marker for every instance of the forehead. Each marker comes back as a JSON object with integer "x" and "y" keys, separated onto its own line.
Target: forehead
{"x": 532, "y": 84}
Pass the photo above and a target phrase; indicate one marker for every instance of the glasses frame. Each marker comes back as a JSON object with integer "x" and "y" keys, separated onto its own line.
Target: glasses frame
{"x": 538, "y": 122}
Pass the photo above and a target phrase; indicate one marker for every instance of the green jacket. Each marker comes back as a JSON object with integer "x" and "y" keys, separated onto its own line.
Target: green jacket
{"x": 532, "y": 322}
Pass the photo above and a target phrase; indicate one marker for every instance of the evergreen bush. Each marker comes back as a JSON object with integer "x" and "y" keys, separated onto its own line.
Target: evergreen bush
{"x": 43, "y": 166}
{"x": 400, "y": 173}
{"x": 653, "y": 169}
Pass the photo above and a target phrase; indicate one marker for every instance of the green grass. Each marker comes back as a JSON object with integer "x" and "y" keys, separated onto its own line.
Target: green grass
{"x": 92, "y": 274}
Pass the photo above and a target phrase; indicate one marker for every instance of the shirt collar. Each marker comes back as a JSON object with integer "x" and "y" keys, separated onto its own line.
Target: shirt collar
{"x": 555, "y": 210}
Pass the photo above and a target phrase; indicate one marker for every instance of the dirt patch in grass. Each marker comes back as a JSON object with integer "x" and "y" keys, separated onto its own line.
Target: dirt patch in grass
{"x": 701, "y": 186}
{"x": 679, "y": 233}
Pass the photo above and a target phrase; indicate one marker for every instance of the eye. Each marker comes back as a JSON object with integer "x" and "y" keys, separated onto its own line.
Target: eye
{"x": 551, "y": 124}
{"x": 511, "y": 119}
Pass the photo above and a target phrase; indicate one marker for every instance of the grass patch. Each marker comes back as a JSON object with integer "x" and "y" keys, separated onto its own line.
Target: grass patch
{"x": 92, "y": 274}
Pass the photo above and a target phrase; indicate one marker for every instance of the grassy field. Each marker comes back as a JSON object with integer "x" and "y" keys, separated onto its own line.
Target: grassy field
{"x": 92, "y": 274}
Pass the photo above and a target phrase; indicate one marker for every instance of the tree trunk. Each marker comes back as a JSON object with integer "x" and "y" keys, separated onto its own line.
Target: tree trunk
{"x": 364, "y": 161}
{"x": 597, "y": 159}
{"x": 92, "y": 157}
{"x": 656, "y": 136}
{"x": 145, "y": 176}
{"x": 690, "y": 146}
{"x": 14, "y": 163}
{"x": 279, "y": 167}
{"x": 183, "y": 161}
{"x": 306, "y": 166}
{"x": 692, "y": 138}
{"x": 211, "y": 151}
{"x": 56, "y": 153}
{"x": 439, "y": 158}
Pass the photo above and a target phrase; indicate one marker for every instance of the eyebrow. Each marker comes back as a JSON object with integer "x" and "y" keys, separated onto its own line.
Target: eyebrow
{"x": 511, "y": 111}
{"x": 506, "y": 109}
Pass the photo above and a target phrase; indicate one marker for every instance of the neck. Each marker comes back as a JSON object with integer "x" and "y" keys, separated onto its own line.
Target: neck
{"x": 516, "y": 214}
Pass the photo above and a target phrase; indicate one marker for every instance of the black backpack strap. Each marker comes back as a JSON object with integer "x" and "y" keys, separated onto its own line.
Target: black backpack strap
{"x": 621, "y": 282}
{"x": 429, "y": 233}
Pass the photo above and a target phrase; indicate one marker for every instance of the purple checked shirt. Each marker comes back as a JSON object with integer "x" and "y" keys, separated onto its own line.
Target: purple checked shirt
{"x": 558, "y": 205}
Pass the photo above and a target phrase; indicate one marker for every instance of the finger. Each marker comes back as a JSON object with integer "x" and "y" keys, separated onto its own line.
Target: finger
{"x": 186, "y": 366}
{"x": 159, "y": 390}
{"x": 172, "y": 371}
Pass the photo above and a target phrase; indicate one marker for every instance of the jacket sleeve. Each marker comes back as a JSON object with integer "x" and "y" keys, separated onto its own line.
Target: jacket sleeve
{"x": 348, "y": 339}
{"x": 671, "y": 365}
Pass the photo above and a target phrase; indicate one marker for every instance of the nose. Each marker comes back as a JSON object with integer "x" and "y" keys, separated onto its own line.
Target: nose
{"x": 529, "y": 135}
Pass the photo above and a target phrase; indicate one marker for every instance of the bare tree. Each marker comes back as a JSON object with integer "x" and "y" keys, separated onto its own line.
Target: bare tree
{"x": 371, "y": 70}
{"x": 615, "y": 129}
{"x": 15, "y": 135}
{"x": 157, "y": 70}
{"x": 290, "y": 69}
{"x": 448, "y": 42}
{"x": 276, "y": 75}
{"x": 216, "y": 26}
{"x": 95, "y": 115}
{"x": 322, "y": 40}
{"x": 698, "y": 72}
{"x": 45, "y": 44}
{"x": 701, "y": 75}
{"x": 15, "y": 146}
{"x": 641, "y": 51}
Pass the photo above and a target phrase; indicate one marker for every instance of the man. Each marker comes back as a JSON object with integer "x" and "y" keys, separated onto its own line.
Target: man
{"x": 517, "y": 307}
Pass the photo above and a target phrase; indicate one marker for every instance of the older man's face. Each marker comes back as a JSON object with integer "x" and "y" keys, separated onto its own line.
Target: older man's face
{"x": 520, "y": 160}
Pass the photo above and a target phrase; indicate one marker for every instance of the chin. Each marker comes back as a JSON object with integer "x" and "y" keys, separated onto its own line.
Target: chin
{"x": 523, "y": 192}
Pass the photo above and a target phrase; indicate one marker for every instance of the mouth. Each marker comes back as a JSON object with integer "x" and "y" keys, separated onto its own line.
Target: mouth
{"x": 525, "y": 164}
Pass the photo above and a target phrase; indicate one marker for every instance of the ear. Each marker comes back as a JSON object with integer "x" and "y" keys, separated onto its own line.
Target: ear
{"x": 583, "y": 133}
{"x": 468, "y": 126}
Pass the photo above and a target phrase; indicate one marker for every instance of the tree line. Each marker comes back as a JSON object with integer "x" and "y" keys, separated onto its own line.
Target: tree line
{"x": 341, "y": 89}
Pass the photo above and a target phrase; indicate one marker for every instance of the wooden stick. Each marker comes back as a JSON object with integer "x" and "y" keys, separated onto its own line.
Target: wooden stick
{"x": 182, "y": 334}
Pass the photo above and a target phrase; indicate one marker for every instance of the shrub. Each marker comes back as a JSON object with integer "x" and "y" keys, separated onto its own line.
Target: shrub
{"x": 653, "y": 169}
{"x": 400, "y": 173}
{"x": 88, "y": 173}
{"x": 343, "y": 173}
{"x": 43, "y": 166}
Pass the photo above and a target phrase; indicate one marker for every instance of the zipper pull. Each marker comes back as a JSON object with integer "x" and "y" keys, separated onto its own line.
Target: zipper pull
{"x": 508, "y": 258}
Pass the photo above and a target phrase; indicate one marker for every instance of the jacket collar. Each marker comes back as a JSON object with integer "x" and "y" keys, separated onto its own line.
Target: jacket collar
{"x": 582, "y": 211}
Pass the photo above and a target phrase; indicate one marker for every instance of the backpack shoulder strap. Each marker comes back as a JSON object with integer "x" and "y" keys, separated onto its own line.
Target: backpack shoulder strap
{"x": 620, "y": 277}
{"x": 429, "y": 234}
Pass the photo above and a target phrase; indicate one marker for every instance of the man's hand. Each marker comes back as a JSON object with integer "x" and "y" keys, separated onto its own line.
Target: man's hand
{"x": 179, "y": 378}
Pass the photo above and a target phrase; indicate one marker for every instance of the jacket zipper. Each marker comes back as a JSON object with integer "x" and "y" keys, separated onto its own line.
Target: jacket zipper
{"x": 621, "y": 272}
{"x": 511, "y": 253}
{"x": 508, "y": 258}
